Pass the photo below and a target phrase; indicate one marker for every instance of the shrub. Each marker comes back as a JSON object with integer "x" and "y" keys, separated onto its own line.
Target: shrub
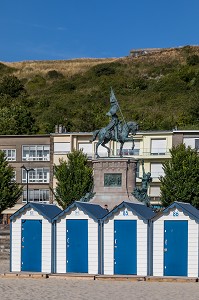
{"x": 53, "y": 74}
{"x": 103, "y": 70}
{"x": 193, "y": 60}
{"x": 36, "y": 83}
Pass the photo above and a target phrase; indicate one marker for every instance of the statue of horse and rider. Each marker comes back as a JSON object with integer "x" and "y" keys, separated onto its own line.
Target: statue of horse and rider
{"x": 115, "y": 130}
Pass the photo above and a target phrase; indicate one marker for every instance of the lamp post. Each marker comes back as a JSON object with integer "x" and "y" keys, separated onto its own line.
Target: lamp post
{"x": 27, "y": 177}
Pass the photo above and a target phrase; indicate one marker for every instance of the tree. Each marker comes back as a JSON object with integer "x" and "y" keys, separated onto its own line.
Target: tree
{"x": 17, "y": 119}
{"x": 181, "y": 180}
{"x": 11, "y": 85}
{"x": 10, "y": 190}
{"x": 74, "y": 178}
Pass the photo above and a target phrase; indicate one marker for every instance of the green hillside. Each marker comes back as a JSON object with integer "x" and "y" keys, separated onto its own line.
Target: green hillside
{"x": 159, "y": 90}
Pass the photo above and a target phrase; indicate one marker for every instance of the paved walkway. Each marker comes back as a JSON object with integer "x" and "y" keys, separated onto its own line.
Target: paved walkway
{"x": 58, "y": 289}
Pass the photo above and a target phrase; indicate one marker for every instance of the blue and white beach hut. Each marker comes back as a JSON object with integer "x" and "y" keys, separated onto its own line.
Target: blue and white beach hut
{"x": 176, "y": 240}
{"x": 32, "y": 238}
{"x": 78, "y": 234}
{"x": 126, "y": 240}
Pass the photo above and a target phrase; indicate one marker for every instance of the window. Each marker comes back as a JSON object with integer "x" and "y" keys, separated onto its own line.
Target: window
{"x": 102, "y": 151}
{"x": 156, "y": 170}
{"x": 14, "y": 178}
{"x": 197, "y": 144}
{"x": 36, "y": 195}
{"x": 62, "y": 148}
{"x": 155, "y": 197}
{"x": 10, "y": 154}
{"x": 87, "y": 148}
{"x": 191, "y": 142}
{"x": 38, "y": 175}
{"x": 36, "y": 152}
{"x": 154, "y": 191}
{"x": 158, "y": 146}
{"x": 127, "y": 148}
{"x": 137, "y": 169}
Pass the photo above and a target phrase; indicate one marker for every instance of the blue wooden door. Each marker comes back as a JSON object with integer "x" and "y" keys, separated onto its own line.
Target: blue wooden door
{"x": 77, "y": 246}
{"x": 31, "y": 245}
{"x": 175, "y": 248}
{"x": 125, "y": 247}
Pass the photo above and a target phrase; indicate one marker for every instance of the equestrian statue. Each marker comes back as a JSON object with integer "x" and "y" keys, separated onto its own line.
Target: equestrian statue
{"x": 115, "y": 130}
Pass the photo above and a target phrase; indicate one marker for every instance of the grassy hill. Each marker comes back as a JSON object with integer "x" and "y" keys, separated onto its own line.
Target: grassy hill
{"x": 159, "y": 90}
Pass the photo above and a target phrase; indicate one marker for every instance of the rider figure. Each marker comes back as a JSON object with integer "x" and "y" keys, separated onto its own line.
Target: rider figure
{"x": 113, "y": 125}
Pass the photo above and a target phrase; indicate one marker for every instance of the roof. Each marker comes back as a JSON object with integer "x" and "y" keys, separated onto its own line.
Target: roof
{"x": 48, "y": 211}
{"x": 187, "y": 209}
{"x": 186, "y": 131}
{"x": 141, "y": 210}
{"x": 95, "y": 211}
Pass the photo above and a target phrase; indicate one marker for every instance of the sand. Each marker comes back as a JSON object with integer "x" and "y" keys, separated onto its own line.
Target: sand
{"x": 57, "y": 288}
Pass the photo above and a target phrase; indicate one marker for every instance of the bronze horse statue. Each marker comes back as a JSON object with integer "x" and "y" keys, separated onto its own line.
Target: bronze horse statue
{"x": 104, "y": 136}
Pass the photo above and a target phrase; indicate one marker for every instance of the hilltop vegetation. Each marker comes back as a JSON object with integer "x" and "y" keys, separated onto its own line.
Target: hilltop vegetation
{"x": 158, "y": 90}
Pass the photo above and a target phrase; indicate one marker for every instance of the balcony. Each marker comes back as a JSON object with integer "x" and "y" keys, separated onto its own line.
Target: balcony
{"x": 131, "y": 152}
{"x": 145, "y": 152}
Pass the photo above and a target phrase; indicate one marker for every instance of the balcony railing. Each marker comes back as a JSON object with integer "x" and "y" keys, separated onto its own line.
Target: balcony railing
{"x": 129, "y": 152}
{"x": 36, "y": 158}
{"x": 144, "y": 152}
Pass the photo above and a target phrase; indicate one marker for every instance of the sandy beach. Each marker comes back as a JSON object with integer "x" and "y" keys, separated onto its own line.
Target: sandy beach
{"x": 55, "y": 288}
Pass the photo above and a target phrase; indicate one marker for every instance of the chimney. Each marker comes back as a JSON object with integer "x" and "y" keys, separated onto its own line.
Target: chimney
{"x": 60, "y": 128}
{"x": 56, "y": 129}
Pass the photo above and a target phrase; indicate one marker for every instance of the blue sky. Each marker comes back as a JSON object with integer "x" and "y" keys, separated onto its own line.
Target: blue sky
{"x": 66, "y": 29}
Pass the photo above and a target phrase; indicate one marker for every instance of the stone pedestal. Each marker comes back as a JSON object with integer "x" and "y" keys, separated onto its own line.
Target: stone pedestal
{"x": 114, "y": 181}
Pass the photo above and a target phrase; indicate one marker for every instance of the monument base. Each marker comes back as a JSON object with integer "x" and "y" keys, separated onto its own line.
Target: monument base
{"x": 114, "y": 181}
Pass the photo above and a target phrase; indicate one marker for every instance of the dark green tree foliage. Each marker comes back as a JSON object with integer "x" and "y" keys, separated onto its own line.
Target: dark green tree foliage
{"x": 74, "y": 178}
{"x": 193, "y": 60}
{"x": 181, "y": 180}
{"x": 10, "y": 190}
{"x": 53, "y": 74}
{"x": 104, "y": 70}
{"x": 16, "y": 120}
{"x": 11, "y": 85}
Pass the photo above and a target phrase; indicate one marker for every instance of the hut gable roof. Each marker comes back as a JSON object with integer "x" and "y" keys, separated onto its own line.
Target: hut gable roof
{"x": 48, "y": 211}
{"x": 140, "y": 210}
{"x": 94, "y": 211}
{"x": 187, "y": 209}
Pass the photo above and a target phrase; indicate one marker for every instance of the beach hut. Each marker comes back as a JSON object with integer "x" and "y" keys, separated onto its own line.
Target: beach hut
{"x": 127, "y": 240}
{"x": 176, "y": 240}
{"x": 32, "y": 238}
{"x": 78, "y": 234}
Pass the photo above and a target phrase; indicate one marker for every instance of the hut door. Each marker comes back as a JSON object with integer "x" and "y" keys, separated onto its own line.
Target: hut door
{"x": 77, "y": 246}
{"x": 31, "y": 245}
{"x": 175, "y": 248}
{"x": 125, "y": 247}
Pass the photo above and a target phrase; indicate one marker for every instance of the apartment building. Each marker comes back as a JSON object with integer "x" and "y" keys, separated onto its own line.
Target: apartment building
{"x": 41, "y": 152}
{"x": 152, "y": 147}
{"x": 30, "y": 157}
{"x": 187, "y": 137}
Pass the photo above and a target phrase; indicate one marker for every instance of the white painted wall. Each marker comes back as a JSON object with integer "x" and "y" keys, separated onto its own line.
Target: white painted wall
{"x": 158, "y": 243}
{"x": 31, "y": 214}
{"x": 76, "y": 214}
{"x": 109, "y": 243}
